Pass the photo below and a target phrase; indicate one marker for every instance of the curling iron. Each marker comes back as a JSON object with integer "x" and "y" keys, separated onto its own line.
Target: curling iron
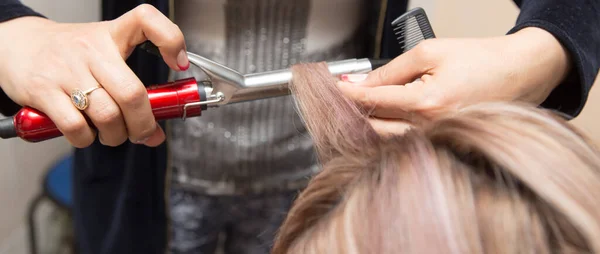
{"x": 188, "y": 97}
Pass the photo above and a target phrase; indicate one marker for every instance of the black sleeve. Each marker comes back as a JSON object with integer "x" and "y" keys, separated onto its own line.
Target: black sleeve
{"x": 10, "y": 9}
{"x": 576, "y": 24}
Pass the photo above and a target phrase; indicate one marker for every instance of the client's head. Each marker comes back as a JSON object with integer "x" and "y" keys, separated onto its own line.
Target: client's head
{"x": 491, "y": 178}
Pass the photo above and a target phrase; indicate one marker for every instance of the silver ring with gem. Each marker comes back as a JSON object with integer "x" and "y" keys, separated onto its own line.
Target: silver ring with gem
{"x": 80, "y": 99}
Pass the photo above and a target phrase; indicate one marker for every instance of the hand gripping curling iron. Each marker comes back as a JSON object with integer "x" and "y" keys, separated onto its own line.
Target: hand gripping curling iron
{"x": 188, "y": 97}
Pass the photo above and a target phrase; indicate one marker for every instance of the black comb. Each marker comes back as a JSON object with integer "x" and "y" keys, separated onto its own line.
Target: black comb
{"x": 411, "y": 28}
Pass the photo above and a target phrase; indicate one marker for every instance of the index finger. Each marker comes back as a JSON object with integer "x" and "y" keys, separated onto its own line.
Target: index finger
{"x": 147, "y": 23}
{"x": 404, "y": 68}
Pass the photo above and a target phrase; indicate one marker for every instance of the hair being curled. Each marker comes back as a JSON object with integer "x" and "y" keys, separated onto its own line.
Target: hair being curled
{"x": 490, "y": 178}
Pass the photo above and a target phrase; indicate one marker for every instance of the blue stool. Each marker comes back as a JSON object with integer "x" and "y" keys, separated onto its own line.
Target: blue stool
{"x": 57, "y": 187}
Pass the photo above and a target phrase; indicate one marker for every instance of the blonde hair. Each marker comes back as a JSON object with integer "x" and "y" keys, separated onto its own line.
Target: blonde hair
{"x": 489, "y": 178}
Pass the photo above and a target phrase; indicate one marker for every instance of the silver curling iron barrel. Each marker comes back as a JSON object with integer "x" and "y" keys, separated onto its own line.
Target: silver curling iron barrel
{"x": 226, "y": 86}
{"x": 275, "y": 83}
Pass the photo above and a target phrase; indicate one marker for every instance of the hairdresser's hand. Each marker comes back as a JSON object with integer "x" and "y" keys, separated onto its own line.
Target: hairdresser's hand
{"x": 453, "y": 73}
{"x": 43, "y": 61}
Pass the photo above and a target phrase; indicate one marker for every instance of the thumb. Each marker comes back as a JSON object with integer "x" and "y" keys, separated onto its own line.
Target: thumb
{"x": 403, "y": 69}
{"x": 147, "y": 23}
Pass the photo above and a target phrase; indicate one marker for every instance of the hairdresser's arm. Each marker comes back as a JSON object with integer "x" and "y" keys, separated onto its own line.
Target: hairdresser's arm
{"x": 549, "y": 58}
{"x": 43, "y": 61}
{"x": 576, "y": 25}
{"x": 11, "y": 9}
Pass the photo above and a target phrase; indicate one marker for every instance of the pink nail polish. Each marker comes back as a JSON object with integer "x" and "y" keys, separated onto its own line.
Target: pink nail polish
{"x": 182, "y": 60}
{"x": 344, "y": 77}
{"x": 184, "y": 68}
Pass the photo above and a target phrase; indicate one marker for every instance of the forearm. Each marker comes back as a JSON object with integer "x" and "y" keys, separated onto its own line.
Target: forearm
{"x": 576, "y": 25}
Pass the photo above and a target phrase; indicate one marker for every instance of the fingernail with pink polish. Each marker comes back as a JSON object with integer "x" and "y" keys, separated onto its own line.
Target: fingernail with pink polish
{"x": 354, "y": 78}
{"x": 182, "y": 60}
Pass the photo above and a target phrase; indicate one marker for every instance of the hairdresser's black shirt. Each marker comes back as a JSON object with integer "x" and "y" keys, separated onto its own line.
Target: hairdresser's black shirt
{"x": 119, "y": 193}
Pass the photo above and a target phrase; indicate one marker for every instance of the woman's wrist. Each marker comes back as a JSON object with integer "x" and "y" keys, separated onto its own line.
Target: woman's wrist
{"x": 542, "y": 61}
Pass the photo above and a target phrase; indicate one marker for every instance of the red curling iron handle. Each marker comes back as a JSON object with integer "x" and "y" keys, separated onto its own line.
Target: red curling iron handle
{"x": 167, "y": 100}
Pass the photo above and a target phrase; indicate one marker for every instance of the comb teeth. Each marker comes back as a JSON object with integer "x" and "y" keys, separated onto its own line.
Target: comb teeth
{"x": 412, "y": 28}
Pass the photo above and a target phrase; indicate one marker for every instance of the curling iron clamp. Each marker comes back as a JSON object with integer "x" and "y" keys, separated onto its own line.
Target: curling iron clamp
{"x": 188, "y": 97}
